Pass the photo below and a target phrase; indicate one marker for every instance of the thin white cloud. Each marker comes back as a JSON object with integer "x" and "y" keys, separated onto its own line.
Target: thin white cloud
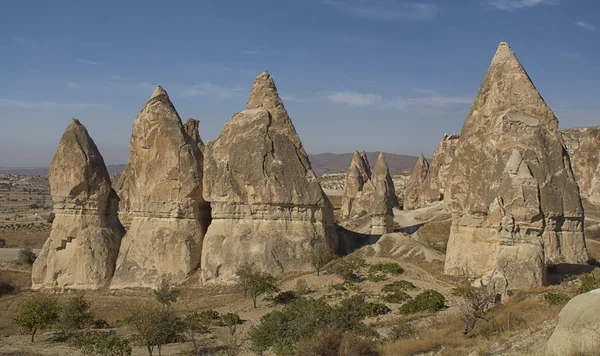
{"x": 423, "y": 91}
{"x": 72, "y": 85}
{"x": 586, "y": 26}
{"x": 209, "y": 89}
{"x": 87, "y": 62}
{"x": 46, "y": 105}
{"x": 249, "y": 51}
{"x": 509, "y": 5}
{"x": 387, "y": 10}
{"x": 353, "y": 98}
{"x": 292, "y": 98}
{"x": 571, "y": 55}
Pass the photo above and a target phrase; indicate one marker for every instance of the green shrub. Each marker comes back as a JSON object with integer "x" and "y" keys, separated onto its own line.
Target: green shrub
{"x": 255, "y": 282}
{"x": 588, "y": 283}
{"x": 395, "y": 297}
{"x": 323, "y": 342}
{"x": 6, "y": 286}
{"x": 391, "y": 268}
{"x": 556, "y": 298}
{"x": 397, "y": 286}
{"x": 166, "y": 294}
{"x": 76, "y": 315}
{"x": 155, "y": 327}
{"x": 98, "y": 343}
{"x": 376, "y": 277}
{"x": 302, "y": 287}
{"x": 353, "y": 344}
{"x": 348, "y": 286}
{"x": 375, "y": 309}
{"x": 285, "y": 297}
{"x": 428, "y": 301}
{"x": 36, "y": 313}
{"x": 26, "y": 256}
{"x": 348, "y": 267}
{"x": 402, "y": 331}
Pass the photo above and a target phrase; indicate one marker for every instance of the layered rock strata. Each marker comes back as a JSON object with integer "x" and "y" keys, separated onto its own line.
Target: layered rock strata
{"x": 192, "y": 128}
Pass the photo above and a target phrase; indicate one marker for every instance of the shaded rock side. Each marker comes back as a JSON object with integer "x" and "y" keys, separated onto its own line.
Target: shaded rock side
{"x": 578, "y": 328}
{"x": 267, "y": 205}
{"x": 583, "y": 145}
{"x": 412, "y": 194}
{"x": 434, "y": 186}
{"x": 82, "y": 249}
{"x": 384, "y": 199}
{"x": 512, "y": 193}
{"x": 192, "y": 128}
{"x": 354, "y": 202}
{"x": 161, "y": 187}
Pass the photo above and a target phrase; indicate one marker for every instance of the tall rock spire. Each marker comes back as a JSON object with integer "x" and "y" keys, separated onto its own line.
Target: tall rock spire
{"x": 412, "y": 194}
{"x": 192, "y": 128}
{"x": 357, "y": 175}
{"x": 384, "y": 199}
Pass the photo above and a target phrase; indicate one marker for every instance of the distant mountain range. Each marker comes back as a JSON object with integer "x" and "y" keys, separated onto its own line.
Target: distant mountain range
{"x": 322, "y": 163}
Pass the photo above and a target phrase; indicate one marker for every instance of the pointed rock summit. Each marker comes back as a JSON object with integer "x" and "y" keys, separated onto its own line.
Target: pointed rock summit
{"x": 84, "y": 241}
{"x": 161, "y": 188}
{"x": 354, "y": 201}
{"x": 412, "y": 194}
{"x": 191, "y": 127}
{"x": 512, "y": 194}
{"x": 267, "y": 205}
{"x": 384, "y": 200}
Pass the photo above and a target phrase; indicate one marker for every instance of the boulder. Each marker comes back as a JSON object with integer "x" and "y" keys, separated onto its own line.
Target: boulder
{"x": 384, "y": 198}
{"x": 191, "y": 128}
{"x": 267, "y": 205}
{"x": 162, "y": 188}
{"x": 86, "y": 234}
{"x": 512, "y": 195}
{"x": 358, "y": 175}
{"x": 578, "y": 328}
{"x": 412, "y": 194}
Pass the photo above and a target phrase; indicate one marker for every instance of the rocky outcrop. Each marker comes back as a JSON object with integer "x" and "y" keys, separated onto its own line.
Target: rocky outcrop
{"x": 578, "y": 328}
{"x": 84, "y": 242}
{"x": 267, "y": 205}
{"x": 412, "y": 194}
{"x": 434, "y": 186}
{"x": 384, "y": 198}
{"x": 191, "y": 128}
{"x": 356, "y": 199}
{"x": 162, "y": 188}
{"x": 583, "y": 147}
{"x": 512, "y": 194}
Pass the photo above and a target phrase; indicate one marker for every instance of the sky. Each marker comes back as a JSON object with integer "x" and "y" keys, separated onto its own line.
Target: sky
{"x": 378, "y": 75}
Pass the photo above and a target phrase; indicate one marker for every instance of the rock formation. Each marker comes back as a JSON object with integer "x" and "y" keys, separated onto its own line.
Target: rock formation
{"x": 84, "y": 242}
{"x": 412, "y": 194}
{"x": 191, "y": 127}
{"x": 434, "y": 186}
{"x": 512, "y": 194}
{"x": 384, "y": 199}
{"x": 267, "y": 205}
{"x": 578, "y": 328}
{"x": 356, "y": 199}
{"x": 583, "y": 147}
{"x": 162, "y": 188}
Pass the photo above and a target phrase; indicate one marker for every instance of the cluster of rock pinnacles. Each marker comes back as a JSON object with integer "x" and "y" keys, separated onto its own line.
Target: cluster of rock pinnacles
{"x": 181, "y": 206}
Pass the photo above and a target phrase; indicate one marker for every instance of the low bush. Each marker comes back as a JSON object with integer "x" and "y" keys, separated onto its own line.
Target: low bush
{"x": 302, "y": 287}
{"x": 376, "y": 277}
{"x": 397, "y": 286}
{"x": 348, "y": 267}
{"x": 6, "y": 286}
{"x": 26, "y": 256}
{"x": 428, "y": 301}
{"x": 353, "y": 344}
{"x": 402, "y": 331}
{"x": 556, "y": 298}
{"x": 349, "y": 286}
{"x": 285, "y": 297}
{"x": 588, "y": 283}
{"x": 98, "y": 343}
{"x": 2, "y": 242}
{"x": 395, "y": 297}
{"x": 391, "y": 268}
{"x": 375, "y": 309}
{"x": 76, "y": 314}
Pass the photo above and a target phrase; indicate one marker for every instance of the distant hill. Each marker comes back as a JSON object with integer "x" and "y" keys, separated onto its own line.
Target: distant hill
{"x": 322, "y": 163}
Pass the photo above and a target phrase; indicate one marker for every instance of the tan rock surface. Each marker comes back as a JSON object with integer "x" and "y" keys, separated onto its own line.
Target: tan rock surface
{"x": 511, "y": 193}
{"x": 162, "y": 188}
{"x": 84, "y": 242}
{"x": 384, "y": 199}
{"x": 434, "y": 186}
{"x": 192, "y": 128}
{"x": 357, "y": 176}
{"x": 267, "y": 205}
{"x": 413, "y": 193}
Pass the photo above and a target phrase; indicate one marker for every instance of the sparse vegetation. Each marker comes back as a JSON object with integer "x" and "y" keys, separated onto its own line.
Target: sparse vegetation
{"x": 395, "y": 297}
{"x": 398, "y": 286}
{"x": 588, "y": 283}
{"x": 348, "y": 267}
{"x": 255, "y": 282}
{"x": 428, "y": 301}
{"x": 36, "y": 313}
{"x": 556, "y": 298}
{"x": 100, "y": 343}
{"x": 2, "y": 242}
{"x": 26, "y": 256}
{"x": 76, "y": 314}
{"x": 391, "y": 268}
{"x": 302, "y": 287}
{"x": 285, "y": 297}
{"x": 154, "y": 327}
{"x": 6, "y": 286}
{"x": 166, "y": 294}
{"x": 475, "y": 303}
{"x": 319, "y": 256}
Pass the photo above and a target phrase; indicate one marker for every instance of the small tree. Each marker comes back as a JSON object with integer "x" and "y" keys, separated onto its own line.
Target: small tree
{"x": 260, "y": 283}
{"x": 348, "y": 267}
{"x": 36, "y": 313}
{"x": 199, "y": 323}
{"x": 154, "y": 327}
{"x": 474, "y": 305}
{"x": 166, "y": 294}
{"x": 232, "y": 338}
{"x": 319, "y": 256}
{"x": 244, "y": 273}
{"x": 98, "y": 343}
{"x": 76, "y": 314}
{"x": 26, "y": 256}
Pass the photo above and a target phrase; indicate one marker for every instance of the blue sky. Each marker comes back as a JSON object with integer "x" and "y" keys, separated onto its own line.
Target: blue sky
{"x": 379, "y": 75}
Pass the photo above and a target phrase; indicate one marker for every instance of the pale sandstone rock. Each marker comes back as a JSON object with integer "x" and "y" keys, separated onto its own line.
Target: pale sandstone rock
{"x": 384, "y": 199}
{"x": 578, "y": 328}
{"x": 84, "y": 242}
{"x": 191, "y": 128}
{"x": 412, "y": 194}
{"x": 267, "y": 205}
{"x": 162, "y": 190}
{"x": 511, "y": 192}
{"x": 434, "y": 186}
{"x": 357, "y": 176}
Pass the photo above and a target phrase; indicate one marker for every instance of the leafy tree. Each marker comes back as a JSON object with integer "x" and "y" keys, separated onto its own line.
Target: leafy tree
{"x": 36, "y": 313}
{"x": 166, "y": 294}
{"x": 260, "y": 283}
{"x": 155, "y": 327}
{"x": 319, "y": 256}
{"x": 76, "y": 315}
{"x": 244, "y": 273}
{"x": 199, "y": 323}
{"x": 99, "y": 343}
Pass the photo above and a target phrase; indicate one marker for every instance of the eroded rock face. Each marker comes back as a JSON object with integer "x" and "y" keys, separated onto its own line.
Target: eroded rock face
{"x": 267, "y": 205}
{"x": 512, "y": 194}
{"x": 355, "y": 201}
{"x": 434, "y": 186}
{"x": 384, "y": 199}
{"x": 191, "y": 128}
{"x": 86, "y": 234}
{"x": 583, "y": 145}
{"x": 162, "y": 190}
{"x": 412, "y": 194}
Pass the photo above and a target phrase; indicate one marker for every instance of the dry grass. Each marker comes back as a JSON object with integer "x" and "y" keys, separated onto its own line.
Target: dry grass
{"x": 25, "y": 239}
